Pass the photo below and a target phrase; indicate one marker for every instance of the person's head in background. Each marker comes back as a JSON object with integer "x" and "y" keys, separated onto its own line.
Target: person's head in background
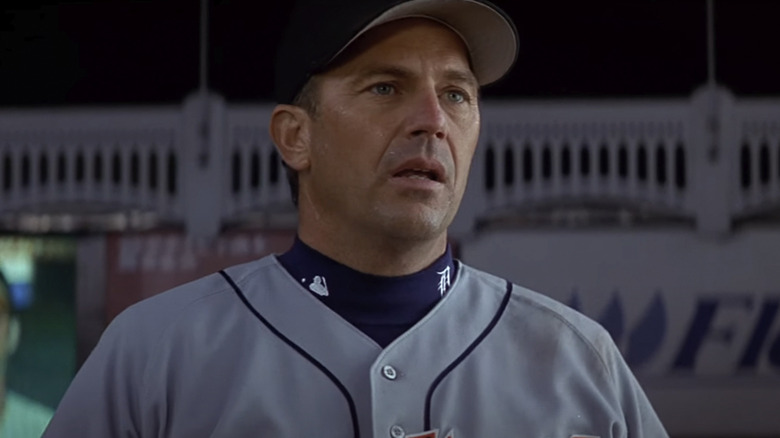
{"x": 9, "y": 329}
{"x": 19, "y": 416}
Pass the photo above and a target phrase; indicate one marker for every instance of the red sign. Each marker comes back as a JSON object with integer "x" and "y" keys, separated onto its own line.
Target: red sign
{"x": 144, "y": 264}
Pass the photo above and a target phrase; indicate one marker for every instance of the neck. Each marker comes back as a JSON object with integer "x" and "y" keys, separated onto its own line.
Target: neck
{"x": 388, "y": 257}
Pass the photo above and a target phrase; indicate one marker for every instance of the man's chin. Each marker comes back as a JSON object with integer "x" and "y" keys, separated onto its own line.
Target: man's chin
{"x": 419, "y": 224}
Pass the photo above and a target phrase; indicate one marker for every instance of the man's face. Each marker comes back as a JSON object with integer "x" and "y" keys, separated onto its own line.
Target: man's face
{"x": 394, "y": 133}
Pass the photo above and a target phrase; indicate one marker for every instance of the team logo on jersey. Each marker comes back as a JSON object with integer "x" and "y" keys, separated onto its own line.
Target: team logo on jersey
{"x": 432, "y": 434}
{"x": 444, "y": 280}
{"x": 319, "y": 286}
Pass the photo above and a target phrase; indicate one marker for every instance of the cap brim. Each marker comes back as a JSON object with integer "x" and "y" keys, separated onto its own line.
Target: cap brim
{"x": 489, "y": 35}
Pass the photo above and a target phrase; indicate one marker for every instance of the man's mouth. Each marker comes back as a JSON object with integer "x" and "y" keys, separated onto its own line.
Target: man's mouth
{"x": 422, "y": 169}
{"x": 418, "y": 174}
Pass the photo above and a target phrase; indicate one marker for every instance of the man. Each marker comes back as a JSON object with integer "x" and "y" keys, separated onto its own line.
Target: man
{"x": 20, "y": 417}
{"x": 367, "y": 326}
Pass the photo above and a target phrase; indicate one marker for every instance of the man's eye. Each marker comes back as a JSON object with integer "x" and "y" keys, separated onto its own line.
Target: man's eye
{"x": 383, "y": 89}
{"x": 456, "y": 96}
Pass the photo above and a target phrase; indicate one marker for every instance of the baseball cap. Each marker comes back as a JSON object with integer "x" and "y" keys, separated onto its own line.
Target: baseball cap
{"x": 319, "y": 30}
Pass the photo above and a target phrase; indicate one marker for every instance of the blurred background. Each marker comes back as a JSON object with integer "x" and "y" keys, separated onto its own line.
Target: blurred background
{"x": 629, "y": 166}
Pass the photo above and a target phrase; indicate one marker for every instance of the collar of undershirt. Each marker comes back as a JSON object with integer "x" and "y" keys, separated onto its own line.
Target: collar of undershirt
{"x": 369, "y": 299}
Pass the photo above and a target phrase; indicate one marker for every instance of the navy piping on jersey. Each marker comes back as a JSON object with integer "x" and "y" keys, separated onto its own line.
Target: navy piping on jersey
{"x": 301, "y": 351}
{"x": 459, "y": 359}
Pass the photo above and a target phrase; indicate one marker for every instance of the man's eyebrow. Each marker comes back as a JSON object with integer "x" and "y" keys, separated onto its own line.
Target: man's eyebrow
{"x": 382, "y": 70}
{"x": 462, "y": 76}
{"x": 453, "y": 75}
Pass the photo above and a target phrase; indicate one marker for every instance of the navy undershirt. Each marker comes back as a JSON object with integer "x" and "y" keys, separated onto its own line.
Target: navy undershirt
{"x": 381, "y": 307}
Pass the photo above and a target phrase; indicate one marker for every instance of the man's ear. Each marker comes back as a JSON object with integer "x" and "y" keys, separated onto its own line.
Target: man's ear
{"x": 290, "y": 130}
{"x": 14, "y": 333}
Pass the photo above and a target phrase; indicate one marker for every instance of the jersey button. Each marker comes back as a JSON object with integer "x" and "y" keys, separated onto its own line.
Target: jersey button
{"x": 389, "y": 372}
{"x": 397, "y": 432}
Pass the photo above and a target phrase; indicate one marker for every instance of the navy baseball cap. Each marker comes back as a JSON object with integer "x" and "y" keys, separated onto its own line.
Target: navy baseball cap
{"x": 319, "y": 30}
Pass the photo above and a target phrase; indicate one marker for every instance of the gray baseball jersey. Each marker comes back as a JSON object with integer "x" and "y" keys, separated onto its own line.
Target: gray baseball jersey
{"x": 250, "y": 353}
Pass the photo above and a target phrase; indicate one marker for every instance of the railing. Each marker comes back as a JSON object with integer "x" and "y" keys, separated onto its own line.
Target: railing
{"x": 757, "y": 157}
{"x": 91, "y": 161}
{"x": 256, "y": 180}
{"x": 711, "y": 160}
{"x": 583, "y": 155}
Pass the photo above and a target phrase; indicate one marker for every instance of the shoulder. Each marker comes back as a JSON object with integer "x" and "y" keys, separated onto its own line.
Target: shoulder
{"x": 199, "y": 296}
{"x": 534, "y": 305}
{"x": 550, "y": 341}
{"x": 542, "y": 319}
{"x": 184, "y": 311}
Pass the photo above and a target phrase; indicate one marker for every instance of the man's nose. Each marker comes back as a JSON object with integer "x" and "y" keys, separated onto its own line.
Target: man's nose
{"x": 427, "y": 117}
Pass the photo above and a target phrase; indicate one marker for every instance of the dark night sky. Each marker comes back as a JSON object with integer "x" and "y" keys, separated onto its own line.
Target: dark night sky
{"x": 141, "y": 52}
